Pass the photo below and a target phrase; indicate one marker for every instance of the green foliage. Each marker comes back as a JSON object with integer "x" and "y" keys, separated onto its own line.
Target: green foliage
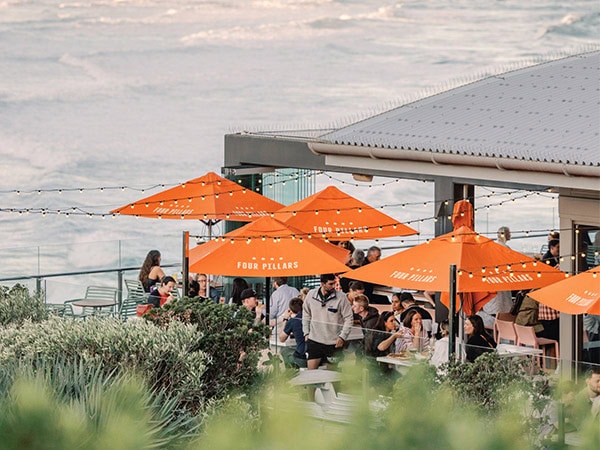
{"x": 18, "y": 305}
{"x": 168, "y": 357}
{"x": 116, "y": 412}
{"x": 492, "y": 381}
{"x": 419, "y": 415}
{"x": 228, "y": 336}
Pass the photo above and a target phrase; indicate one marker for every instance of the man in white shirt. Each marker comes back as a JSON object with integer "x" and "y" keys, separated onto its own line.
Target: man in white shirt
{"x": 502, "y": 302}
{"x": 280, "y": 299}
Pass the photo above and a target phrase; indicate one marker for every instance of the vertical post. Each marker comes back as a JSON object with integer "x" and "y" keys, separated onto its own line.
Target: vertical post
{"x": 452, "y": 313}
{"x": 185, "y": 282}
{"x": 267, "y": 299}
{"x": 120, "y": 287}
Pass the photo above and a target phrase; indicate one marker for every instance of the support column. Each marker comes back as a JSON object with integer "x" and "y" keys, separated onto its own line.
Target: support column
{"x": 446, "y": 193}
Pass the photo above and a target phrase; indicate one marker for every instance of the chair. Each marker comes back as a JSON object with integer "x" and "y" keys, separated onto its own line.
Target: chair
{"x": 135, "y": 296}
{"x": 93, "y": 293}
{"x": 128, "y": 307}
{"x": 506, "y": 316}
{"x": 135, "y": 289}
{"x": 526, "y": 337}
{"x": 504, "y": 332}
{"x": 101, "y": 293}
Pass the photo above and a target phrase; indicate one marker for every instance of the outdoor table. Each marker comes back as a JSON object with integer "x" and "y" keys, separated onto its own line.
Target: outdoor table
{"x": 517, "y": 350}
{"x": 315, "y": 377}
{"x": 93, "y": 303}
{"x": 400, "y": 364}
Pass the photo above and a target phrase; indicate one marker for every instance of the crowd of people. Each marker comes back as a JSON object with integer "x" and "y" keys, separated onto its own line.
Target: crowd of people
{"x": 320, "y": 319}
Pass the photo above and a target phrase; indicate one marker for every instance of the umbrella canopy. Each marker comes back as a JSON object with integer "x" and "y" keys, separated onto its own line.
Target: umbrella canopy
{"x": 335, "y": 215}
{"x": 267, "y": 248}
{"x": 209, "y": 197}
{"x": 483, "y": 266}
{"x": 574, "y": 295}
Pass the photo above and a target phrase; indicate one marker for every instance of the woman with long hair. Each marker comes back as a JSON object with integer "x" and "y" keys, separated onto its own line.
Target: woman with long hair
{"x": 414, "y": 335}
{"x": 238, "y": 286}
{"x": 440, "y": 350}
{"x": 151, "y": 273}
{"x": 381, "y": 341}
{"x": 478, "y": 340}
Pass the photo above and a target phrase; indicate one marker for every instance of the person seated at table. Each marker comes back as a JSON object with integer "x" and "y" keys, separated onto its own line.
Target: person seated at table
{"x": 478, "y": 340}
{"x": 238, "y": 286}
{"x": 250, "y": 302}
{"x": 440, "y": 349}
{"x": 397, "y": 307}
{"x": 365, "y": 316}
{"x": 151, "y": 273}
{"x": 199, "y": 288}
{"x": 409, "y": 304}
{"x": 161, "y": 295}
{"x": 293, "y": 328}
{"x": 381, "y": 341}
{"x": 414, "y": 335}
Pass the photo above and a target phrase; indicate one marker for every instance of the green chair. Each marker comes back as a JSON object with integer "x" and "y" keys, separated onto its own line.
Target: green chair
{"x": 135, "y": 296}
{"x": 104, "y": 293}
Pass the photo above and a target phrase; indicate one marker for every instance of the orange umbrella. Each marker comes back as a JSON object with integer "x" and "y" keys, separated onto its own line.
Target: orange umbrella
{"x": 483, "y": 266}
{"x": 209, "y": 197}
{"x": 266, "y": 248}
{"x": 574, "y": 295}
{"x": 335, "y": 215}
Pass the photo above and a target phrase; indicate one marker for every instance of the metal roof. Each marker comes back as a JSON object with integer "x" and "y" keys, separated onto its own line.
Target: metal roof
{"x": 544, "y": 113}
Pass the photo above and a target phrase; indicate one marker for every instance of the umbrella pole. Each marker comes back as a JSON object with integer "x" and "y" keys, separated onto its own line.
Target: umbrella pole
{"x": 267, "y": 300}
{"x": 185, "y": 264}
{"x": 452, "y": 315}
{"x": 209, "y": 223}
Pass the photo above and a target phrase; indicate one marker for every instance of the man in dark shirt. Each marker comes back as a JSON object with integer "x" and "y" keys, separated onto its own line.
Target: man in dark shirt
{"x": 162, "y": 294}
{"x": 552, "y": 256}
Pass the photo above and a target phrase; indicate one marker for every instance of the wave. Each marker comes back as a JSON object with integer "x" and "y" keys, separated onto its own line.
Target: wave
{"x": 308, "y": 28}
{"x": 585, "y": 25}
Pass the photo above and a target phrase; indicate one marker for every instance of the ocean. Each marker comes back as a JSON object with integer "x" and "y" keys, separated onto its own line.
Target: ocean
{"x": 103, "y": 102}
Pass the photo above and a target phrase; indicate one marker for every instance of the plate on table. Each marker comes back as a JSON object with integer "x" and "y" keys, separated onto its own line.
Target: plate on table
{"x": 401, "y": 355}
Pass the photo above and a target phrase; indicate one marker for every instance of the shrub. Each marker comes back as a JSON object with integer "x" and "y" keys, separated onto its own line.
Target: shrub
{"x": 18, "y": 305}
{"x": 167, "y": 357}
{"x": 227, "y": 335}
{"x": 489, "y": 383}
{"x": 116, "y": 412}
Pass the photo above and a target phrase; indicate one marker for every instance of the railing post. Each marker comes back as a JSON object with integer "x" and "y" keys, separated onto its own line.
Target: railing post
{"x": 38, "y": 286}
{"x": 120, "y": 287}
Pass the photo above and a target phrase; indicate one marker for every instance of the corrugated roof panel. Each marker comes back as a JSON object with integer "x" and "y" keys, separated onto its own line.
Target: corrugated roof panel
{"x": 549, "y": 112}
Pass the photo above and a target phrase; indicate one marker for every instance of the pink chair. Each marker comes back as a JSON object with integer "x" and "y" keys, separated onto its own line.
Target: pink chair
{"x": 504, "y": 331}
{"x": 526, "y": 337}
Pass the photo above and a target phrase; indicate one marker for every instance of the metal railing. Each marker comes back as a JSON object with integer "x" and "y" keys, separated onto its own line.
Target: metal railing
{"x": 39, "y": 278}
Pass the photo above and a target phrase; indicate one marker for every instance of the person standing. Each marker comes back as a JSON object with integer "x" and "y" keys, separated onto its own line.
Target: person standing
{"x": 552, "y": 256}
{"x": 326, "y": 321}
{"x": 503, "y": 301}
{"x": 373, "y": 255}
{"x": 151, "y": 273}
{"x": 280, "y": 298}
{"x": 293, "y": 328}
